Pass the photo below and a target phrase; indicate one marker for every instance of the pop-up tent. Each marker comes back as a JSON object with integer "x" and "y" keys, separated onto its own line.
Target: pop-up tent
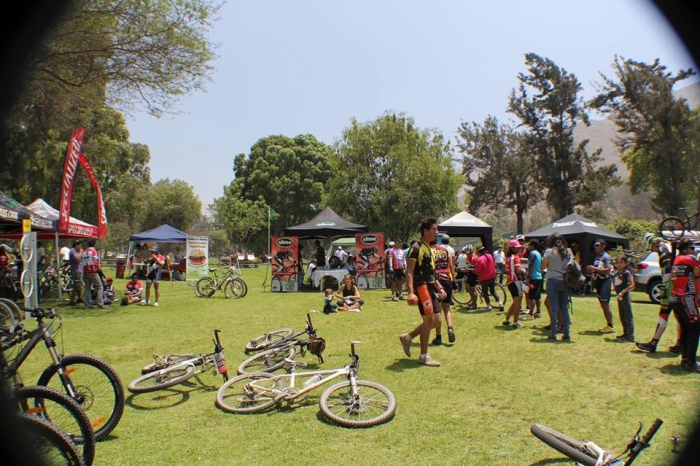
{"x": 465, "y": 225}
{"x": 327, "y": 224}
{"x": 582, "y": 230}
{"x": 12, "y": 213}
{"x": 161, "y": 234}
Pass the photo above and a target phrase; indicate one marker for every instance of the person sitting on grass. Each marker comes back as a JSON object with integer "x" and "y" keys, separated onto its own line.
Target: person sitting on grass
{"x": 350, "y": 295}
{"x": 328, "y": 306}
{"x": 133, "y": 291}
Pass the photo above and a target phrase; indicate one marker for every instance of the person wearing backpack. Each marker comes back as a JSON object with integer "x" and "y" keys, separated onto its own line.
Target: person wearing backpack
{"x": 555, "y": 259}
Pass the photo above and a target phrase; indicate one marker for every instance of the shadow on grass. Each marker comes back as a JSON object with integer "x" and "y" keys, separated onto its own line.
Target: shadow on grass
{"x": 675, "y": 369}
{"x": 657, "y": 355}
{"x": 400, "y": 365}
{"x": 551, "y": 461}
{"x": 166, "y": 398}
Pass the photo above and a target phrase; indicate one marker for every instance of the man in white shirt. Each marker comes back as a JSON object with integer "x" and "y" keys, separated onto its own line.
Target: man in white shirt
{"x": 499, "y": 257}
{"x": 65, "y": 254}
{"x": 341, "y": 255}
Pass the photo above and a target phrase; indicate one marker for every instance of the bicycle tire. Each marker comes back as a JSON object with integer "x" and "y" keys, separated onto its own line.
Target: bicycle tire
{"x": 269, "y": 339}
{"x": 572, "y": 448}
{"x": 268, "y": 361}
{"x": 672, "y": 228}
{"x": 461, "y": 296}
{"x": 161, "y": 379}
{"x": 99, "y": 390}
{"x": 170, "y": 360}
{"x": 238, "y": 397}
{"x": 7, "y": 317}
{"x": 502, "y": 293}
{"x": 235, "y": 288}
{"x": 52, "y": 445}
{"x": 62, "y": 411}
{"x": 205, "y": 287}
{"x": 362, "y": 282}
{"x": 245, "y": 286}
{"x": 376, "y": 404}
{"x": 14, "y": 308}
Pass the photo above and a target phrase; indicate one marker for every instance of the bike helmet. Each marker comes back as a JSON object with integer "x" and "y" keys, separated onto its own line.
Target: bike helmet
{"x": 469, "y": 249}
{"x": 317, "y": 346}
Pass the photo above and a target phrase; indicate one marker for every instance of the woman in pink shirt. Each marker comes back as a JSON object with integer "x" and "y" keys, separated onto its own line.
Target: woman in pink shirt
{"x": 486, "y": 271}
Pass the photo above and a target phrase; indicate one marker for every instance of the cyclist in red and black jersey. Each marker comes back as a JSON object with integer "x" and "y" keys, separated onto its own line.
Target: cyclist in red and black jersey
{"x": 684, "y": 302}
{"x": 444, "y": 268}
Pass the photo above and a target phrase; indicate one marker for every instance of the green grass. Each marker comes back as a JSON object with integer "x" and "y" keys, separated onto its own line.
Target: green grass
{"x": 475, "y": 409}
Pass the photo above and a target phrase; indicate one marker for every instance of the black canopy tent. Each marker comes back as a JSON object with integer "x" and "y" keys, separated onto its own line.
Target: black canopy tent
{"x": 584, "y": 231}
{"x": 465, "y": 225}
{"x": 327, "y": 224}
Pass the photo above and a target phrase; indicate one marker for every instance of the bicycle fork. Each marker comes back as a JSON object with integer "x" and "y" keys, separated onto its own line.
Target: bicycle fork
{"x": 63, "y": 374}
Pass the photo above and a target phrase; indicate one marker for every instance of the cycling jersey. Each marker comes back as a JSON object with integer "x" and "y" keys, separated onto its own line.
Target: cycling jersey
{"x": 441, "y": 257}
{"x": 682, "y": 272}
{"x": 91, "y": 260}
{"x": 424, "y": 270}
{"x": 512, "y": 263}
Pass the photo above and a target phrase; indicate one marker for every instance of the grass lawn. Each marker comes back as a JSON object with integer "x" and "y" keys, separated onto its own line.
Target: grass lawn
{"x": 476, "y": 409}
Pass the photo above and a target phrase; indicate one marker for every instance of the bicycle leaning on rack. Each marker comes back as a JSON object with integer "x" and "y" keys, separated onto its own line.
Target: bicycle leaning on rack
{"x": 349, "y": 403}
{"x": 673, "y": 228}
{"x": 174, "y": 369}
{"x": 87, "y": 379}
{"x": 590, "y": 454}
{"x": 278, "y": 350}
{"x": 231, "y": 283}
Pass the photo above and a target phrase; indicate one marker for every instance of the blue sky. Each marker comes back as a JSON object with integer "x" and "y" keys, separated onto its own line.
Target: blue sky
{"x": 298, "y": 66}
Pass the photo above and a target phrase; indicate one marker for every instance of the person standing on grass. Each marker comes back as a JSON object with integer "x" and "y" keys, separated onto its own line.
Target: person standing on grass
{"x": 602, "y": 282}
{"x": 154, "y": 263}
{"x": 534, "y": 278}
{"x": 423, "y": 289}
{"x": 623, "y": 281}
{"x": 319, "y": 254}
{"x": 91, "y": 276}
{"x": 684, "y": 302}
{"x": 397, "y": 267}
{"x": 499, "y": 257}
{"x": 555, "y": 260}
{"x": 486, "y": 271}
{"x": 75, "y": 258}
{"x": 444, "y": 269}
{"x": 513, "y": 272}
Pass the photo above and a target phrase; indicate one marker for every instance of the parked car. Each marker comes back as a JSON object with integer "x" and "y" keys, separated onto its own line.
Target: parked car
{"x": 647, "y": 277}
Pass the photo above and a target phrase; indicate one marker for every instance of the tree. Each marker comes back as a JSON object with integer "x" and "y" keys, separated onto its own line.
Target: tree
{"x": 566, "y": 171}
{"x": 172, "y": 202}
{"x": 497, "y": 168}
{"x": 242, "y": 219}
{"x": 389, "y": 174}
{"x": 658, "y": 135}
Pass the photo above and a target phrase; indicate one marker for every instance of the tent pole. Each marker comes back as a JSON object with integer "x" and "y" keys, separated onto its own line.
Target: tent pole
{"x": 58, "y": 267}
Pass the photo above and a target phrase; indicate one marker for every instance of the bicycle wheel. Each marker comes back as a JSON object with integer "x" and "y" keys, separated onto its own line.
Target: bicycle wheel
{"x": 7, "y": 317}
{"x": 62, "y": 411}
{"x": 17, "y": 314}
{"x": 241, "y": 396}
{"x": 269, "y": 339}
{"x": 267, "y": 361}
{"x": 672, "y": 228}
{"x": 362, "y": 282}
{"x": 52, "y": 446}
{"x": 205, "y": 287}
{"x": 161, "y": 379}
{"x": 235, "y": 288}
{"x": 66, "y": 283}
{"x": 98, "y": 389}
{"x": 572, "y": 448}
{"x": 48, "y": 288}
{"x": 168, "y": 361}
{"x": 502, "y": 293}
{"x": 245, "y": 286}
{"x": 374, "y": 404}
{"x": 461, "y": 294}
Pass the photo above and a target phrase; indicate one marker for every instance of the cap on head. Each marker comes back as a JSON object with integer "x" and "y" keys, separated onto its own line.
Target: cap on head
{"x": 514, "y": 244}
{"x": 340, "y": 247}
{"x": 481, "y": 249}
{"x": 520, "y": 237}
{"x": 392, "y": 244}
{"x": 445, "y": 239}
{"x": 154, "y": 248}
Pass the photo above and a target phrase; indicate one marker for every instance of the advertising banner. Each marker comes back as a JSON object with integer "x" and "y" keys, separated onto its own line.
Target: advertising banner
{"x": 197, "y": 257}
{"x": 370, "y": 260}
{"x": 285, "y": 254}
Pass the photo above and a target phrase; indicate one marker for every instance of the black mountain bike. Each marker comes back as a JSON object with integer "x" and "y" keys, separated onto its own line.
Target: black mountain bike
{"x": 673, "y": 228}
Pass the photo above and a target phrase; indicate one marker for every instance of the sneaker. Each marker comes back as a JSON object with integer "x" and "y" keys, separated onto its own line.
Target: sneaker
{"x": 648, "y": 347}
{"x": 437, "y": 341}
{"x": 394, "y": 298}
{"x": 426, "y": 360}
{"x": 551, "y": 338}
{"x": 537, "y": 315}
{"x": 144, "y": 303}
{"x": 155, "y": 304}
{"x": 675, "y": 349}
{"x": 690, "y": 367}
{"x": 488, "y": 308}
{"x": 471, "y": 307}
{"x": 527, "y": 317}
{"x": 566, "y": 338}
{"x": 506, "y": 322}
{"x": 402, "y": 297}
{"x": 100, "y": 306}
{"x": 451, "y": 335}
{"x": 607, "y": 329}
{"x": 517, "y": 325}
{"x": 624, "y": 339}
{"x": 524, "y": 311}
{"x": 405, "y": 340}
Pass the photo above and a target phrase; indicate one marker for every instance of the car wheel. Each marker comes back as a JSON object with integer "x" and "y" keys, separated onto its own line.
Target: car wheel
{"x": 655, "y": 290}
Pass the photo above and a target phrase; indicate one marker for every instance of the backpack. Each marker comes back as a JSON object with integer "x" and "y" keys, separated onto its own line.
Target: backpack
{"x": 573, "y": 278}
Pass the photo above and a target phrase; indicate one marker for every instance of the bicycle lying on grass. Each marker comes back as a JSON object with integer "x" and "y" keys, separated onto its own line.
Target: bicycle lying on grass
{"x": 231, "y": 284}
{"x": 590, "y": 454}
{"x": 350, "y": 403}
{"x": 277, "y": 350}
{"x": 174, "y": 369}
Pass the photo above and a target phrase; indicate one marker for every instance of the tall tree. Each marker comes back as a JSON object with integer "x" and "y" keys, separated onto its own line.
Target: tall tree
{"x": 244, "y": 221}
{"x": 497, "y": 168}
{"x": 566, "y": 171}
{"x": 174, "y": 203}
{"x": 657, "y": 134}
{"x": 388, "y": 174}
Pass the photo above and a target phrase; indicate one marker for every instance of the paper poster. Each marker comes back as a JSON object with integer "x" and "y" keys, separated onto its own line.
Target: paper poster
{"x": 285, "y": 253}
{"x": 197, "y": 257}
{"x": 370, "y": 260}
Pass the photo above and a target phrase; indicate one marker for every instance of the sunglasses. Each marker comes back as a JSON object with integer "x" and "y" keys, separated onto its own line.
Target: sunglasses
{"x": 597, "y": 245}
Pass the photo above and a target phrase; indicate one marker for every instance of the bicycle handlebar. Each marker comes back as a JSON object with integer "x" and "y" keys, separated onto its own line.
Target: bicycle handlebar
{"x": 636, "y": 446}
{"x": 646, "y": 438}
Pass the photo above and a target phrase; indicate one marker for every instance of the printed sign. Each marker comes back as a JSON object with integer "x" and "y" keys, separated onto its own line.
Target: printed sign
{"x": 285, "y": 253}
{"x": 370, "y": 260}
{"x": 197, "y": 257}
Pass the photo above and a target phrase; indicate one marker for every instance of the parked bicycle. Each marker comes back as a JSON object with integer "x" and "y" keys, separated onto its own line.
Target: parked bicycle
{"x": 47, "y": 403}
{"x": 461, "y": 294}
{"x": 10, "y": 314}
{"x": 231, "y": 283}
{"x": 277, "y": 351}
{"x": 349, "y": 403}
{"x": 51, "y": 444}
{"x": 174, "y": 369}
{"x": 87, "y": 379}
{"x": 590, "y": 454}
{"x": 673, "y": 228}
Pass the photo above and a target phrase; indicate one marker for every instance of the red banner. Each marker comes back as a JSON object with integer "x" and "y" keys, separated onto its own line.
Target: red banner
{"x": 285, "y": 254}
{"x": 370, "y": 256}
{"x": 102, "y": 211}
{"x": 70, "y": 167}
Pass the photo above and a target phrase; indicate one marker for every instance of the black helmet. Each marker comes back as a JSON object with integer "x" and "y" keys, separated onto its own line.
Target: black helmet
{"x": 317, "y": 346}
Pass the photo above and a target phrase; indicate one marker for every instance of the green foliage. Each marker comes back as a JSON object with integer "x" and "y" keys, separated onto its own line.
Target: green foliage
{"x": 172, "y": 202}
{"x": 243, "y": 220}
{"x": 658, "y": 136}
{"x": 634, "y": 230}
{"x": 389, "y": 174}
{"x": 548, "y": 106}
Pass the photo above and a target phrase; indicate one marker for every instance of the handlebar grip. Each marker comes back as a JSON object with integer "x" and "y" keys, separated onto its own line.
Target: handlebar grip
{"x": 651, "y": 431}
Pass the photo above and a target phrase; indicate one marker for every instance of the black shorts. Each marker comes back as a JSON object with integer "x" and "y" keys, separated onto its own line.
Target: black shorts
{"x": 515, "y": 289}
{"x": 472, "y": 279}
{"x": 399, "y": 274}
{"x": 536, "y": 290}
{"x": 447, "y": 286}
